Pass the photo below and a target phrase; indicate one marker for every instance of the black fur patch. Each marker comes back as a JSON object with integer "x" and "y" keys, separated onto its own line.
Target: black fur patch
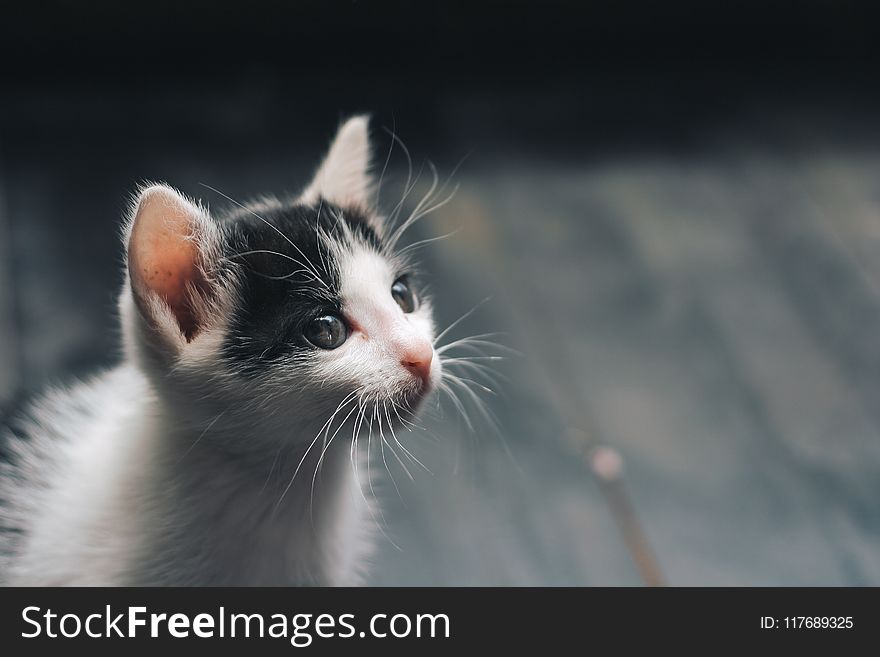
{"x": 277, "y": 252}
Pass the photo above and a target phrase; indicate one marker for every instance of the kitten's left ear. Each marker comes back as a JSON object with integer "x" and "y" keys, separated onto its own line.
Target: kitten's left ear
{"x": 172, "y": 245}
{"x": 343, "y": 178}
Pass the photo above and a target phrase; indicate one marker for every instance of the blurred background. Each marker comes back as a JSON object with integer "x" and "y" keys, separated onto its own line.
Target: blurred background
{"x": 674, "y": 207}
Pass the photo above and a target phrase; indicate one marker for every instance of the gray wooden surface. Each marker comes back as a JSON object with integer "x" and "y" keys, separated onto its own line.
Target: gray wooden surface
{"x": 713, "y": 317}
{"x": 718, "y": 318}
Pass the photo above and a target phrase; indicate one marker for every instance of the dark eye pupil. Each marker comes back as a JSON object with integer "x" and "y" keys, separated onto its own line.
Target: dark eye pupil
{"x": 403, "y": 295}
{"x": 326, "y": 332}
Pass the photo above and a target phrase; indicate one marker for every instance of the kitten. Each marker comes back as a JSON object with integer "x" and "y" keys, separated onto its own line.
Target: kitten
{"x": 258, "y": 345}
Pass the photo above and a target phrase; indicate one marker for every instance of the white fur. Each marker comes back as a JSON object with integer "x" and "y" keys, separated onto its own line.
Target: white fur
{"x": 113, "y": 489}
{"x": 92, "y": 443}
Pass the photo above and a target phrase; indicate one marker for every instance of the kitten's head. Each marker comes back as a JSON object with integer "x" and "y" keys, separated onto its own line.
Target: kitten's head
{"x": 278, "y": 309}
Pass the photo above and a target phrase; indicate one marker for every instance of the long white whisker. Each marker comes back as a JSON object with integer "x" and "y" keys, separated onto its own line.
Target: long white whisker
{"x": 478, "y": 402}
{"x": 270, "y": 225}
{"x": 475, "y": 343}
{"x": 201, "y": 435}
{"x": 272, "y": 468}
{"x": 407, "y": 187}
{"x": 464, "y": 379}
{"x": 410, "y": 425}
{"x": 385, "y": 166}
{"x": 382, "y": 446}
{"x": 458, "y": 321}
{"x": 321, "y": 459}
{"x": 457, "y": 403}
{"x": 341, "y": 405}
{"x": 370, "y": 449}
{"x": 425, "y": 242}
{"x": 488, "y": 415}
{"x": 370, "y": 509}
{"x": 476, "y": 368}
{"x": 399, "y": 444}
{"x": 390, "y": 446}
{"x": 423, "y": 213}
{"x": 304, "y": 270}
{"x": 469, "y": 358}
{"x": 425, "y": 199}
{"x": 352, "y": 452}
{"x": 406, "y": 154}
{"x": 396, "y": 210}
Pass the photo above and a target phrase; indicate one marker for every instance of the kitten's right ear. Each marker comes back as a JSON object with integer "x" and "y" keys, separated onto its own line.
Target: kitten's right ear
{"x": 344, "y": 175}
{"x": 171, "y": 245}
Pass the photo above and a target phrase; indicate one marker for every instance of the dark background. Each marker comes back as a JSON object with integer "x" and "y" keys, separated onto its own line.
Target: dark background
{"x": 674, "y": 206}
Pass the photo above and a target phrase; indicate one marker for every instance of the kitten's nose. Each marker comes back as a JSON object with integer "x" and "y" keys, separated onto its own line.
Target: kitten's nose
{"x": 417, "y": 359}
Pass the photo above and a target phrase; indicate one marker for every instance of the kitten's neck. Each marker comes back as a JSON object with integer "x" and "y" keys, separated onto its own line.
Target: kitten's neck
{"x": 266, "y": 515}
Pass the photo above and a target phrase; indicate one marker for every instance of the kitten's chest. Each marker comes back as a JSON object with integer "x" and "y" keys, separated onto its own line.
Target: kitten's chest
{"x": 236, "y": 531}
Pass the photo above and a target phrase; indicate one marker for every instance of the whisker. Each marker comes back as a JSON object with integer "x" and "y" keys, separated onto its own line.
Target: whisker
{"x": 352, "y": 452}
{"x": 382, "y": 446}
{"x": 411, "y": 425}
{"x": 402, "y": 447}
{"x": 489, "y": 417}
{"x": 346, "y": 400}
{"x": 460, "y": 320}
{"x": 466, "y": 380}
{"x": 469, "y": 358}
{"x": 410, "y": 183}
{"x": 270, "y": 225}
{"x": 457, "y": 403}
{"x": 370, "y": 449}
{"x": 385, "y": 166}
{"x": 394, "y": 215}
{"x": 420, "y": 210}
{"x": 477, "y": 369}
{"x": 201, "y": 435}
{"x": 271, "y": 469}
{"x": 321, "y": 460}
{"x": 423, "y": 213}
{"x": 395, "y": 236}
{"x": 370, "y": 508}
{"x": 476, "y": 343}
{"x": 425, "y": 242}
{"x": 406, "y": 154}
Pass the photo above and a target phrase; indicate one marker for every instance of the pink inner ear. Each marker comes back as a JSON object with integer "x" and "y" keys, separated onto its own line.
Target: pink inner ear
{"x": 163, "y": 257}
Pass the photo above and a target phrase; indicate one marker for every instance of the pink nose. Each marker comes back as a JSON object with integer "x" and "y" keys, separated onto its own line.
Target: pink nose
{"x": 417, "y": 359}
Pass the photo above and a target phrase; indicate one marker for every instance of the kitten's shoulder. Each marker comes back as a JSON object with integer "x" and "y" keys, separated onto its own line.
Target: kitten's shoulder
{"x": 37, "y": 436}
{"x": 59, "y": 414}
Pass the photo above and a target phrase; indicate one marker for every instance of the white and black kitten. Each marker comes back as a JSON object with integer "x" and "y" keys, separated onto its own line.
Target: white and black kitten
{"x": 252, "y": 340}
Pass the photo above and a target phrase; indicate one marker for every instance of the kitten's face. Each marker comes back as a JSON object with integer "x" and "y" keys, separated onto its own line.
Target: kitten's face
{"x": 282, "y": 308}
{"x": 323, "y": 304}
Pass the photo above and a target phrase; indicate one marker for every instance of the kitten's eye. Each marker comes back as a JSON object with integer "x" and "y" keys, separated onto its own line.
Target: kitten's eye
{"x": 403, "y": 295}
{"x": 326, "y": 332}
